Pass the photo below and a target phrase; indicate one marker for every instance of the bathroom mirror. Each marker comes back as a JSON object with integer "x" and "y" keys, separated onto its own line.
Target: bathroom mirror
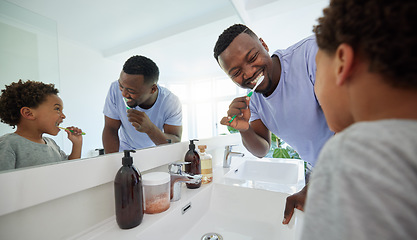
{"x": 89, "y": 52}
{"x": 28, "y": 49}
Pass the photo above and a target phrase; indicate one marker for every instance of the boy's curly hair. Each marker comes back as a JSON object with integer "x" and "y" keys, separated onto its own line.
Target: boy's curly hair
{"x": 22, "y": 94}
{"x": 383, "y": 31}
{"x": 141, "y": 65}
{"x": 228, "y": 36}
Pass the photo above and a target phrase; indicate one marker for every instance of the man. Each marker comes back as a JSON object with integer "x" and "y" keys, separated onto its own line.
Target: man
{"x": 284, "y": 103}
{"x": 365, "y": 182}
{"x": 152, "y": 116}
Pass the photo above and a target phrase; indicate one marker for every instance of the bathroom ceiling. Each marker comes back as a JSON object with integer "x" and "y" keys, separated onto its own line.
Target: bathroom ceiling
{"x": 111, "y": 27}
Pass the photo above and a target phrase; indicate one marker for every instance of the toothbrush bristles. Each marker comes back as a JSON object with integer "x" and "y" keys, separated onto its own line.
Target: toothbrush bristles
{"x": 125, "y": 101}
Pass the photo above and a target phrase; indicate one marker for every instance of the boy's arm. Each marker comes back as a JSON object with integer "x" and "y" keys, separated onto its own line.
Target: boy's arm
{"x": 7, "y": 156}
{"x": 77, "y": 142}
{"x": 76, "y": 150}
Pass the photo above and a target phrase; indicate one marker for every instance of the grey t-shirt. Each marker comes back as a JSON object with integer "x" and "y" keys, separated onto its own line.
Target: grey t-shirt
{"x": 18, "y": 152}
{"x": 364, "y": 185}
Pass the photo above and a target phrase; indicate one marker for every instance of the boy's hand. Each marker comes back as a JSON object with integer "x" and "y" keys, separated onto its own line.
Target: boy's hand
{"x": 297, "y": 200}
{"x": 75, "y": 136}
{"x": 240, "y": 108}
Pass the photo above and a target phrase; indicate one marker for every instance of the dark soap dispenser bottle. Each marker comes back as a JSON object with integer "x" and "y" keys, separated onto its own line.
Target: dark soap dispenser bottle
{"x": 128, "y": 194}
{"x": 195, "y": 165}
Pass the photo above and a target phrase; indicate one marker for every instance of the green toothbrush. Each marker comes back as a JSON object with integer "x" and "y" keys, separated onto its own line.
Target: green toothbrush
{"x": 250, "y": 94}
{"x": 83, "y": 133}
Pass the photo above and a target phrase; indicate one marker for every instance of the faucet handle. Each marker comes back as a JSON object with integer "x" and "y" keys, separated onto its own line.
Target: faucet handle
{"x": 176, "y": 167}
{"x": 229, "y": 147}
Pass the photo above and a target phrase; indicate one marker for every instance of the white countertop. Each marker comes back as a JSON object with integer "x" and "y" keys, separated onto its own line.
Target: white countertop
{"x": 109, "y": 229}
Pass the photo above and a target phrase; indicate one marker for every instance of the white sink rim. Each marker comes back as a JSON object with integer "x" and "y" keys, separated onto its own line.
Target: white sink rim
{"x": 294, "y": 169}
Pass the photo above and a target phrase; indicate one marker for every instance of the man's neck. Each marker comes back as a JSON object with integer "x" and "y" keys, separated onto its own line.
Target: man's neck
{"x": 275, "y": 75}
{"x": 151, "y": 101}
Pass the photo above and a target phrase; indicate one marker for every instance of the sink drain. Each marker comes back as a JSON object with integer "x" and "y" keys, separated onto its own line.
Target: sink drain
{"x": 212, "y": 236}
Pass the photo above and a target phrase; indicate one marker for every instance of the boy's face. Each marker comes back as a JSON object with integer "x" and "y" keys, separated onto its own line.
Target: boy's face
{"x": 49, "y": 114}
{"x": 246, "y": 59}
{"x": 135, "y": 89}
{"x": 332, "y": 97}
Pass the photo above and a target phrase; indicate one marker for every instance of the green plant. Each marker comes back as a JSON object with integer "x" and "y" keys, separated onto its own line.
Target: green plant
{"x": 280, "y": 149}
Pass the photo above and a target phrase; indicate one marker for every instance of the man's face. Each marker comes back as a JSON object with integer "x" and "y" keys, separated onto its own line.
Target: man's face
{"x": 245, "y": 60}
{"x": 134, "y": 89}
{"x": 332, "y": 97}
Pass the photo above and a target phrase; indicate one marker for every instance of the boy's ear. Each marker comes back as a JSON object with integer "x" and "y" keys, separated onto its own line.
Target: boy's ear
{"x": 27, "y": 113}
{"x": 264, "y": 44}
{"x": 344, "y": 63}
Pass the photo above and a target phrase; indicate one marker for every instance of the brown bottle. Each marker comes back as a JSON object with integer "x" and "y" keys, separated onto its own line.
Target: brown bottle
{"x": 195, "y": 165}
{"x": 128, "y": 194}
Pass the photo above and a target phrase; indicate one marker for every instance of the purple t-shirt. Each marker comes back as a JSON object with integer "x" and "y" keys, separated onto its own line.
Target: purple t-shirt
{"x": 166, "y": 110}
{"x": 292, "y": 111}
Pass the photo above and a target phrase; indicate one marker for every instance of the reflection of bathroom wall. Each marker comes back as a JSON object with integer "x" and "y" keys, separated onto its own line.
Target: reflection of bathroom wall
{"x": 18, "y": 48}
{"x": 28, "y": 49}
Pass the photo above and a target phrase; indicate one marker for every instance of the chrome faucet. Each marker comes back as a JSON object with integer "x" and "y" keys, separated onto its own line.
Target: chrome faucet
{"x": 178, "y": 176}
{"x": 228, "y": 154}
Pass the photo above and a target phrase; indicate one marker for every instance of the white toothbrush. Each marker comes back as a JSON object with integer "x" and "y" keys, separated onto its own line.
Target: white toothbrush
{"x": 125, "y": 101}
{"x": 250, "y": 93}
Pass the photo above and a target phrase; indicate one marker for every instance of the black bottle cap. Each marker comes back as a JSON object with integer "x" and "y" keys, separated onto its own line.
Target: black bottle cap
{"x": 127, "y": 160}
{"x": 192, "y": 145}
{"x": 100, "y": 151}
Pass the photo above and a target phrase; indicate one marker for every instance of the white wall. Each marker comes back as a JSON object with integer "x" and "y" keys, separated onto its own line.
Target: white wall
{"x": 85, "y": 79}
{"x": 290, "y": 22}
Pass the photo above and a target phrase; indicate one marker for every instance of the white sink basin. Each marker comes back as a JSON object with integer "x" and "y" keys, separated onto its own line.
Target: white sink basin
{"x": 233, "y": 212}
{"x": 273, "y": 174}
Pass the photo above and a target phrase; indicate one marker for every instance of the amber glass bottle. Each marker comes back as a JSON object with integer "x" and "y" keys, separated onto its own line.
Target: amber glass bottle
{"x": 128, "y": 194}
{"x": 195, "y": 165}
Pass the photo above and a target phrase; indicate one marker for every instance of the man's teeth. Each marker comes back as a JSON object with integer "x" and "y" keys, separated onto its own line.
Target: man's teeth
{"x": 257, "y": 79}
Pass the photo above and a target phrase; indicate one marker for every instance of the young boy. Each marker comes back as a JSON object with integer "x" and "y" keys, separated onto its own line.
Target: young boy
{"x": 35, "y": 108}
{"x": 364, "y": 185}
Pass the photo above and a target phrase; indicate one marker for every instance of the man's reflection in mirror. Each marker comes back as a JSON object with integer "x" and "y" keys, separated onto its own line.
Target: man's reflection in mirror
{"x": 139, "y": 113}
{"x": 35, "y": 109}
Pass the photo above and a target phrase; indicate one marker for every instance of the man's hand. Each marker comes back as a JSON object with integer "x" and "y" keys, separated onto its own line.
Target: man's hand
{"x": 239, "y": 108}
{"x": 296, "y": 200}
{"x": 140, "y": 121}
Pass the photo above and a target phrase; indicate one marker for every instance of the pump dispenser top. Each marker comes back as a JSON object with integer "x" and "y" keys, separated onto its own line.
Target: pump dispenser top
{"x": 192, "y": 145}
{"x": 195, "y": 165}
{"x": 127, "y": 160}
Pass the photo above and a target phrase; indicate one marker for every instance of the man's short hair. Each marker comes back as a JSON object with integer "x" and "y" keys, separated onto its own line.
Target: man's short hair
{"x": 228, "y": 36}
{"x": 140, "y": 65}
